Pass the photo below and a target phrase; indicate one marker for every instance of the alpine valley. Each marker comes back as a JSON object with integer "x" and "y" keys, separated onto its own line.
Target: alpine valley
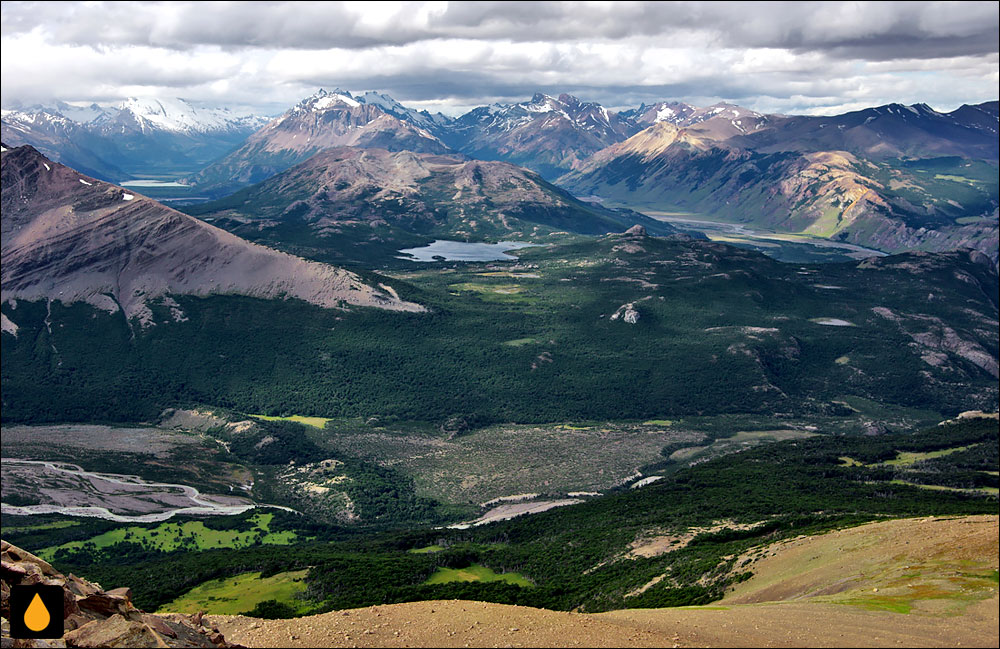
{"x": 545, "y": 354}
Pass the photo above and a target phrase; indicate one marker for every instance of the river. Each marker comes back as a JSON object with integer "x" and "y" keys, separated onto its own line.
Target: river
{"x": 201, "y": 504}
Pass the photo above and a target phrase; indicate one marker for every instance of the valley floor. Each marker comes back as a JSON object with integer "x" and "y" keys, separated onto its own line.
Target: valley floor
{"x": 914, "y": 582}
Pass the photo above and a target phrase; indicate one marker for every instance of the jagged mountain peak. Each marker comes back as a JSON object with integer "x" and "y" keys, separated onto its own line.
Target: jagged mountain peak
{"x": 324, "y": 120}
{"x": 421, "y": 118}
{"x": 547, "y": 134}
{"x": 323, "y": 99}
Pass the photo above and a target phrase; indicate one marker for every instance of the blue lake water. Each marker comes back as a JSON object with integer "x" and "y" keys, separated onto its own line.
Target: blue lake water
{"x": 153, "y": 183}
{"x": 462, "y": 251}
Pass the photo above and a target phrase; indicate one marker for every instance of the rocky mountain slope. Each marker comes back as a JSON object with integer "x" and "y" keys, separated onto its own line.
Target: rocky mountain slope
{"x": 138, "y": 136}
{"x": 546, "y": 134}
{"x": 93, "y": 617}
{"x": 355, "y": 196}
{"x": 69, "y": 237}
{"x": 800, "y": 175}
{"x": 322, "y": 121}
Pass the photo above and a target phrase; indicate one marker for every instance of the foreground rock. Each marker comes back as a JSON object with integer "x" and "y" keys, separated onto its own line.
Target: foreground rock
{"x": 93, "y": 617}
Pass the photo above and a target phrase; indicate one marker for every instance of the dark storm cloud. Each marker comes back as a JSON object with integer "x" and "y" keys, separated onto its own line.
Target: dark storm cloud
{"x": 879, "y": 31}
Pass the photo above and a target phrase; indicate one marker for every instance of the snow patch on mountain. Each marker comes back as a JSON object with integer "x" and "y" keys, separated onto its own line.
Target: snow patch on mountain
{"x": 178, "y": 115}
{"x": 144, "y": 114}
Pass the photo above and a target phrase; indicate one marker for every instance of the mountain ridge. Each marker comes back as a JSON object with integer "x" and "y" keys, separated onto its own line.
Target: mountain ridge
{"x": 72, "y": 238}
{"x": 348, "y": 197}
{"x": 321, "y": 121}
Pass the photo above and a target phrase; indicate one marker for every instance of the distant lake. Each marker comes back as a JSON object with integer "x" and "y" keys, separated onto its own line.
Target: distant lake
{"x": 152, "y": 183}
{"x": 462, "y": 251}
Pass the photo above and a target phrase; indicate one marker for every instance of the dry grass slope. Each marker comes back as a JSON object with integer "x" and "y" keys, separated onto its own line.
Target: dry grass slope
{"x": 811, "y": 591}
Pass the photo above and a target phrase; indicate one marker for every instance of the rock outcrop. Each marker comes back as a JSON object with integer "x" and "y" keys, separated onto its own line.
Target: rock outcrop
{"x": 626, "y": 313}
{"x": 93, "y": 617}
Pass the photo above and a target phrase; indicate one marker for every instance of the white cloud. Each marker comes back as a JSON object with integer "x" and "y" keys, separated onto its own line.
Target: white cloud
{"x": 783, "y": 57}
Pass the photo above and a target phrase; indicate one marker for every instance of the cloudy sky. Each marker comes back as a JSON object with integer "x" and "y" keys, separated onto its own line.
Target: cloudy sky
{"x": 799, "y": 57}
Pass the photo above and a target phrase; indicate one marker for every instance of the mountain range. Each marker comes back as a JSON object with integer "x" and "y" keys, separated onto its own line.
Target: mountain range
{"x": 137, "y": 137}
{"x": 891, "y": 177}
{"x": 546, "y": 134}
{"x": 322, "y": 121}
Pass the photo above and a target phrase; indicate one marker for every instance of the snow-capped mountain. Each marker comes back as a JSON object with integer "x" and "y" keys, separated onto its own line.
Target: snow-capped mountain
{"x": 136, "y": 136}
{"x": 174, "y": 115}
{"x": 547, "y": 134}
{"x": 59, "y": 137}
{"x": 675, "y": 112}
{"x": 719, "y": 121}
{"x": 324, "y": 120}
{"x": 433, "y": 122}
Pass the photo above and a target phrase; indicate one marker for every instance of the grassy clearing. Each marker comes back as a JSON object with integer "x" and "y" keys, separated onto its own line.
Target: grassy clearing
{"x": 993, "y": 491}
{"x": 428, "y": 549}
{"x": 770, "y": 435}
{"x": 492, "y": 292}
{"x": 827, "y": 225}
{"x": 504, "y": 273}
{"x": 315, "y": 422}
{"x": 957, "y": 179}
{"x": 658, "y": 422}
{"x": 740, "y": 440}
{"x": 167, "y": 537}
{"x": 54, "y": 525}
{"x": 886, "y": 603}
{"x": 966, "y": 220}
{"x": 520, "y": 342}
{"x": 843, "y": 360}
{"x": 907, "y": 459}
{"x": 683, "y": 454}
{"x": 475, "y": 572}
{"x": 241, "y": 593}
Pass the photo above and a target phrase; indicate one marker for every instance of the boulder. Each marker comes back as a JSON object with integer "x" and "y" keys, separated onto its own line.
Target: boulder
{"x": 93, "y": 617}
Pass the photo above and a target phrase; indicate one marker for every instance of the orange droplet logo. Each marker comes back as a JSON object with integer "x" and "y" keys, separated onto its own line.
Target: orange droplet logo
{"x": 36, "y": 616}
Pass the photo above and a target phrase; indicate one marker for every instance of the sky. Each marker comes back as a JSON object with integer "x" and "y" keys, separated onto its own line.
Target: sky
{"x": 792, "y": 58}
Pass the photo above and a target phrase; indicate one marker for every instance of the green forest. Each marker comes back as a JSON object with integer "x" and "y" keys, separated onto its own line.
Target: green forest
{"x": 574, "y": 556}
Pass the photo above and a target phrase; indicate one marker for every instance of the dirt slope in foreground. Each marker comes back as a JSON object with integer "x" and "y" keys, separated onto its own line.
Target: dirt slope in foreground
{"x": 811, "y": 591}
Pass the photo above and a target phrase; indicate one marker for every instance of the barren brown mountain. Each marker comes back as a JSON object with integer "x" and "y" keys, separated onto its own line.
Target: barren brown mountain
{"x": 71, "y": 238}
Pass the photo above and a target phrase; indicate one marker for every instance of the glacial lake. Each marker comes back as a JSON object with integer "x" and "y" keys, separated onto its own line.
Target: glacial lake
{"x": 152, "y": 183}
{"x": 463, "y": 251}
